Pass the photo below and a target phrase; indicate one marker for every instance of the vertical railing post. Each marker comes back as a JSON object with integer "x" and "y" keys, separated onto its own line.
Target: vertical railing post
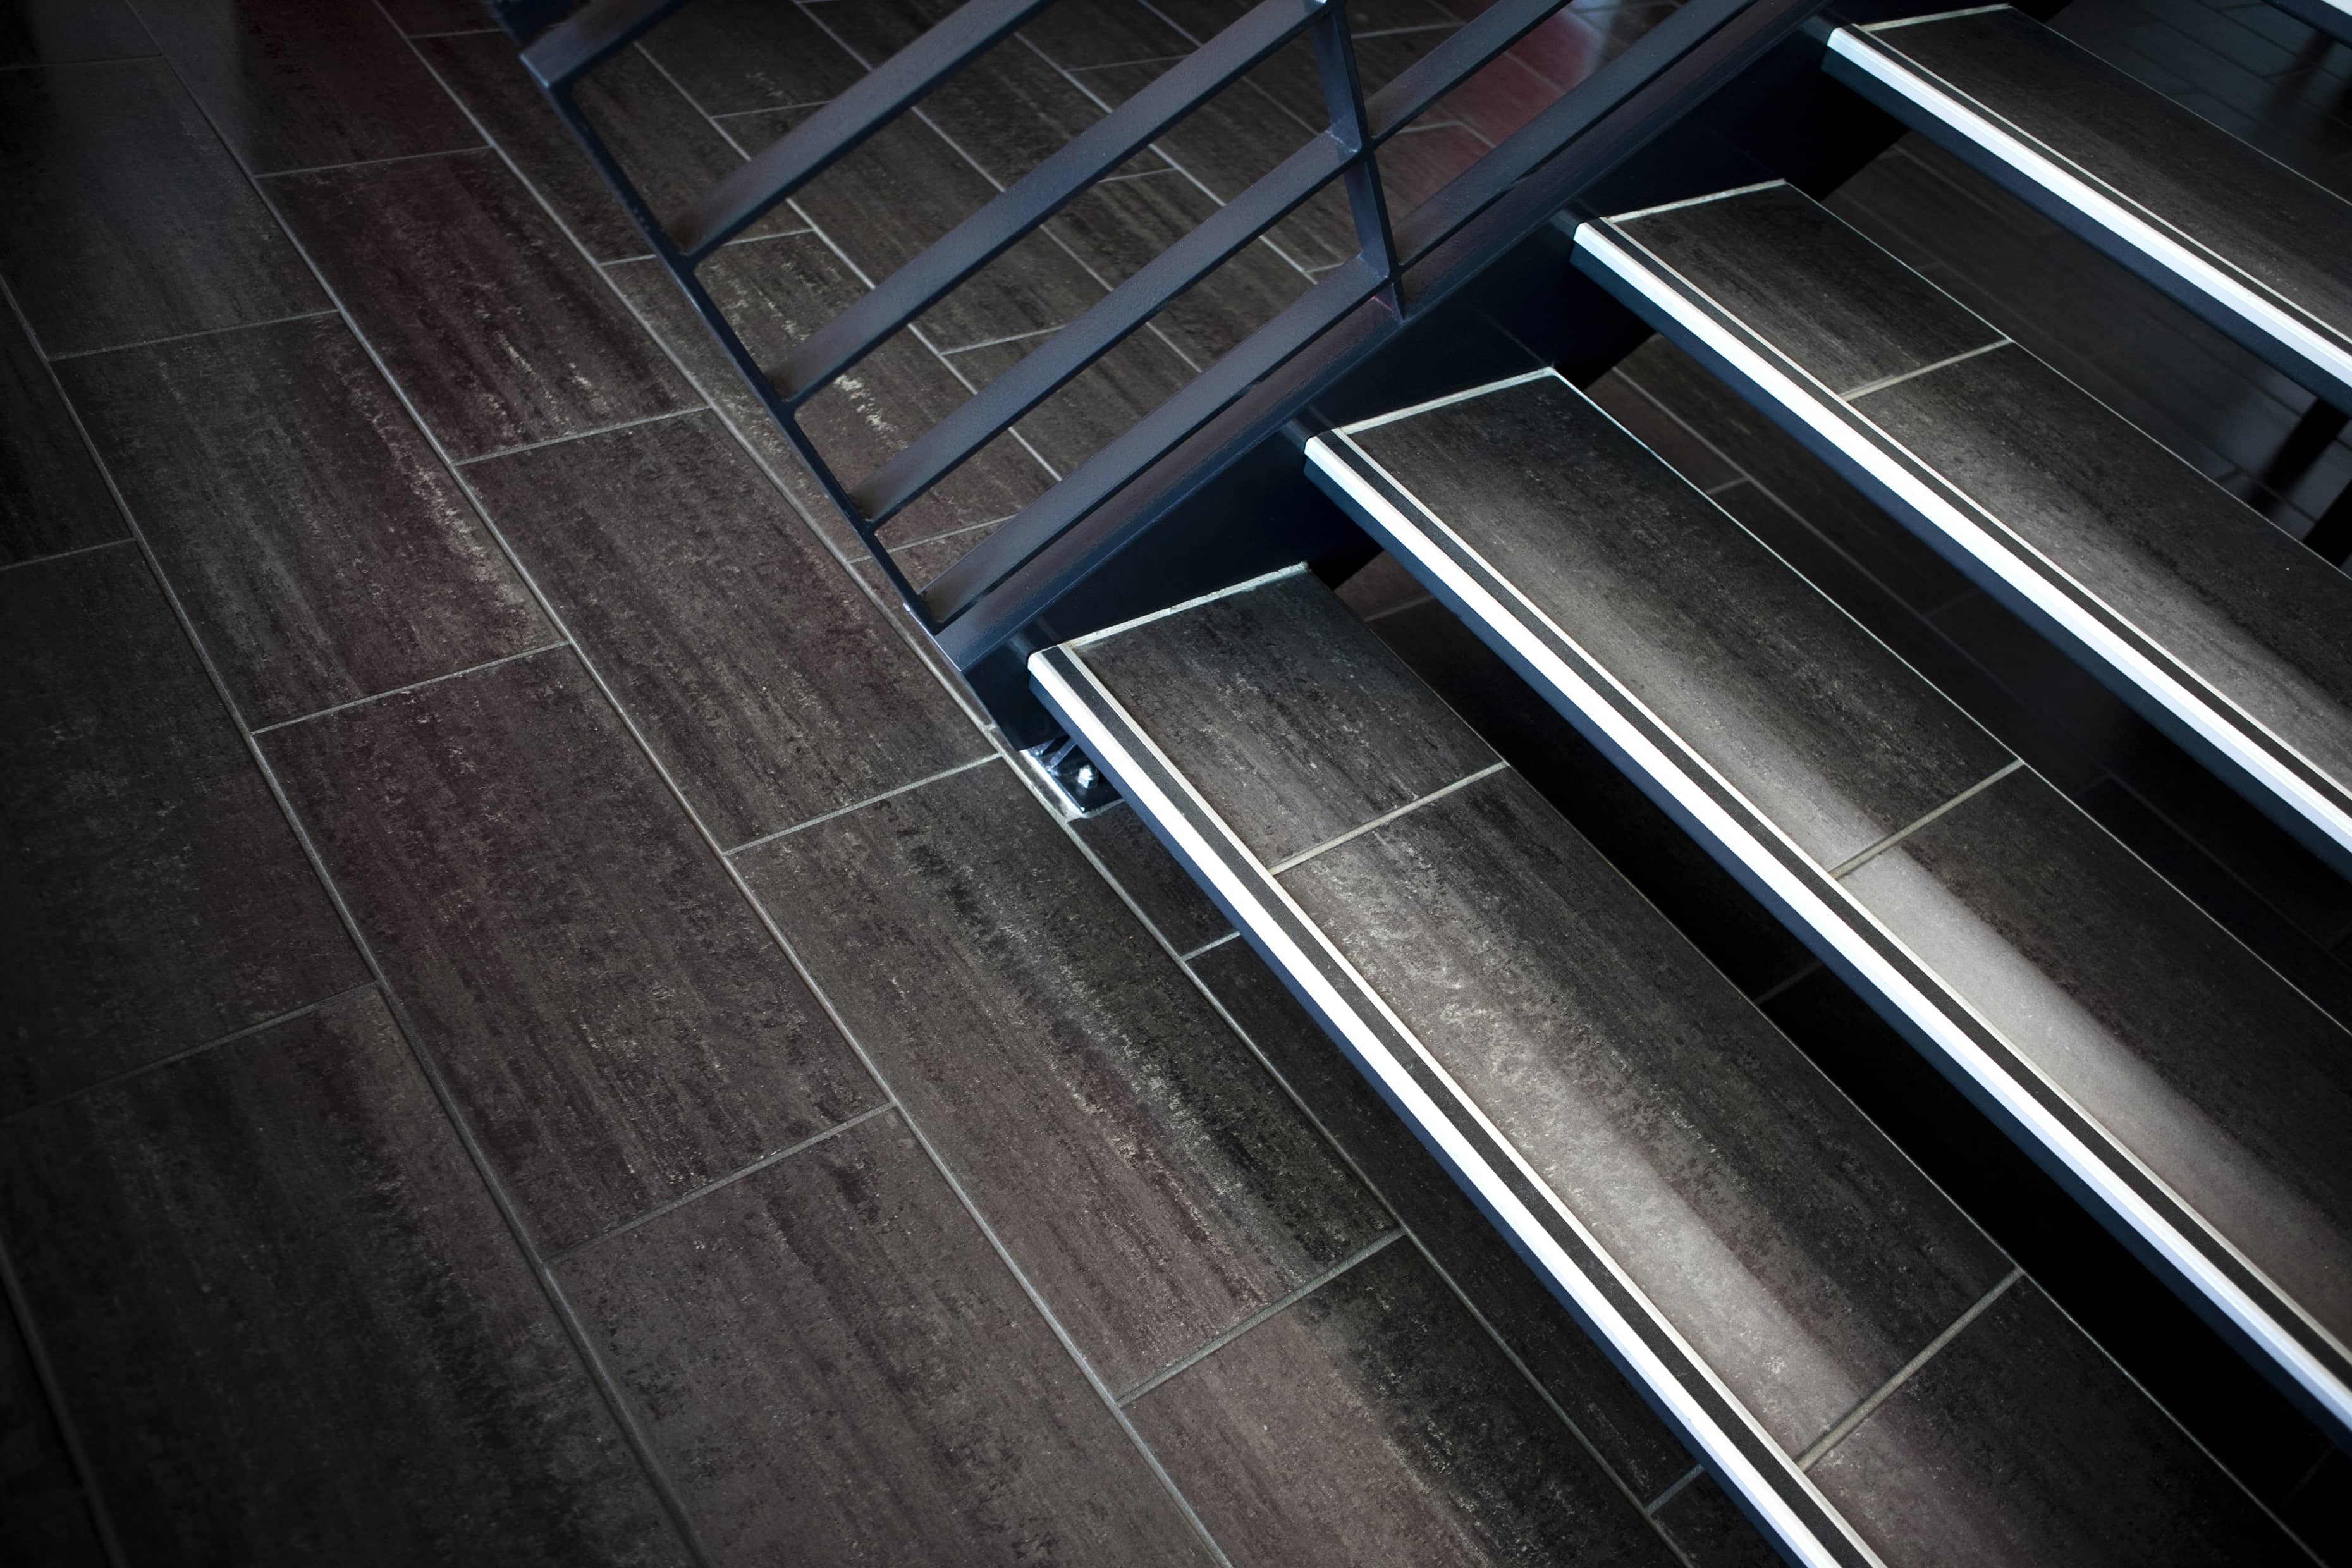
{"x": 1343, "y": 97}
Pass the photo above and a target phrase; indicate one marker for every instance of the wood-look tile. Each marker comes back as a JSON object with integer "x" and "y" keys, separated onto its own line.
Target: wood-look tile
{"x": 293, "y": 84}
{"x": 1516, "y": 1305}
{"x": 292, "y": 1326}
{"x": 123, "y": 217}
{"x": 1418, "y": 164}
{"x": 1841, "y": 308}
{"x": 775, "y": 293}
{"x": 156, "y": 898}
{"x": 322, "y": 550}
{"x": 2021, "y": 1442}
{"x": 1379, "y": 587}
{"x": 1097, "y": 406}
{"x": 1118, "y": 229}
{"x": 1807, "y": 1259}
{"x": 1289, "y": 76}
{"x": 1078, "y": 32}
{"x": 44, "y": 1516}
{"x": 1804, "y": 711}
{"x": 1692, "y": 456}
{"x": 428, "y": 16}
{"x": 1372, "y": 1422}
{"x": 736, "y": 55}
{"x": 1152, "y": 1182}
{"x": 1708, "y": 1528}
{"x": 670, "y": 152}
{"x": 770, "y": 686}
{"x": 617, "y": 1025}
{"x": 494, "y": 326}
{"x": 52, "y": 496}
{"x": 1291, "y": 721}
{"x": 1149, "y": 874}
{"x": 836, "y": 1367}
{"x": 1506, "y": 93}
{"x": 2230, "y": 596}
{"x": 56, "y": 32}
{"x": 2219, "y": 1075}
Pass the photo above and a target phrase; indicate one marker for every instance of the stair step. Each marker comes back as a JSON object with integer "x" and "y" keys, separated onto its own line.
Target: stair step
{"x": 2194, "y": 1097}
{"x": 2245, "y": 241}
{"x": 2183, "y": 599}
{"x": 1845, "y": 1351}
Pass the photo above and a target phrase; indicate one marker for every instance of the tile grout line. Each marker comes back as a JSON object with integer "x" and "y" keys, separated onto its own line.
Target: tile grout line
{"x": 1788, "y": 983}
{"x": 662, "y": 417}
{"x": 1884, "y": 382}
{"x": 964, "y": 767}
{"x": 482, "y": 146}
{"x": 1674, "y": 1489}
{"x": 1209, "y": 946}
{"x": 1888, "y": 1390}
{"x": 184, "y": 337}
{"x": 65, "y": 554}
{"x": 1855, "y": 862}
{"x": 1384, "y": 818}
{"x": 37, "y": 1350}
{"x": 276, "y": 724}
{"x": 1272, "y": 1309}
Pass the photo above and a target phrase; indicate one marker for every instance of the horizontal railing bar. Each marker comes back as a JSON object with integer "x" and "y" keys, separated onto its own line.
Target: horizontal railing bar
{"x": 1043, "y": 520}
{"x": 1038, "y": 195}
{"x": 1046, "y": 370}
{"x": 816, "y": 143}
{"x": 1466, "y": 52}
{"x": 590, "y": 36}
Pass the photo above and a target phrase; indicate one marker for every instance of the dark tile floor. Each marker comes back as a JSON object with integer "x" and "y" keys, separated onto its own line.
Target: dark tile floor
{"x": 538, "y": 1027}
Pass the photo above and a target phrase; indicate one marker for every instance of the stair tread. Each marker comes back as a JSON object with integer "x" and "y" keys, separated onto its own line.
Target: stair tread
{"x": 2266, "y": 225}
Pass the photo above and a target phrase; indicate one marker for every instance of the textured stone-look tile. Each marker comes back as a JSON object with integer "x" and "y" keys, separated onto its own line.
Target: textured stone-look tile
{"x": 617, "y": 1025}
{"x": 776, "y": 293}
{"x": 1095, "y": 407}
{"x": 123, "y": 217}
{"x": 1780, "y": 1232}
{"x": 494, "y": 326}
{"x": 55, "y": 31}
{"x": 1150, "y": 876}
{"x": 321, "y": 547}
{"x": 836, "y": 1367}
{"x": 2021, "y": 1442}
{"x": 153, "y": 896}
{"x": 770, "y": 686}
{"x": 1308, "y": 766}
{"x": 1518, "y": 1305}
{"x": 292, "y": 1326}
{"x": 670, "y": 152}
{"x": 1693, "y": 456}
{"x": 52, "y": 496}
{"x": 1708, "y": 1528}
{"x": 1154, "y": 1184}
{"x": 45, "y": 1517}
{"x": 1373, "y": 1422}
{"x": 737, "y": 55}
{"x": 293, "y": 84}
{"x": 1076, "y": 33}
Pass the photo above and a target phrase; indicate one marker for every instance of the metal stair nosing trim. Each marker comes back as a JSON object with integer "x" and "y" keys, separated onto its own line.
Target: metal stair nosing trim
{"x": 2295, "y": 791}
{"x": 1766, "y": 1480}
{"x": 2044, "y": 178}
{"x": 2033, "y": 1110}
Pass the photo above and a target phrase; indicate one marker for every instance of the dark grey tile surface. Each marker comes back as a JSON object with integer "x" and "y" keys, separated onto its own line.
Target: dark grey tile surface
{"x": 769, "y": 685}
{"x": 1516, "y": 1305}
{"x": 1287, "y": 715}
{"x": 2234, "y": 598}
{"x": 322, "y": 549}
{"x": 1693, "y": 456}
{"x": 497, "y": 329}
{"x": 156, "y": 898}
{"x": 426, "y": 16}
{"x": 838, "y": 1368}
{"x": 672, "y": 153}
{"x": 1804, "y": 711}
{"x": 618, "y": 1027}
{"x": 123, "y": 217}
{"x": 1710, "y": 1532}
{"x": 1372, "y": 1422}
{"x": 2219, "y": 1075}
{"x": 1099, "y": 405}
{"x": 1805, "y": 1259}
{"x": 1076, "y": 32}
{"x": 293, "y": 84}
{"x": 1160, "y": 888}
{"x": 735, "y": 55}
{"x": 53, "y": 32}
{"x": 294, "y": 1327}
{"x": 2021, "y": 1442}
{"x": 1154, "y": 1184}
{"x": 1811, "y": 287}
{"x": 52, "y": 496}
{"x": 44, "y": 1516}
{"x": 2258, "y": 216}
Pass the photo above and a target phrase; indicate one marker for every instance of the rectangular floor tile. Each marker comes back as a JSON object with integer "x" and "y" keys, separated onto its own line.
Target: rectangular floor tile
{"x": 427, "y": 16}
{"x": 497, "y": 329}
{"x": 1074, "y": 32}
{"x": 294, "y": 84}
{"x": 44, "y": 1516}
{"x": 1708, "y": 1528}
{"x": 735, "y": 55}
{"x": 1095, "y": 407}
{"x": 618, "y": 1027}
{"x": 1373, "y": 1422}
{"x": 55, "y": 31}
{"x": 838, "y": 1368}
{"x": 52, "y": 496}
{"x": 768, "y": 683}
{"x": 1144, "y": 869}
{"x": 123, "y": 217}
{"x": 157, "y": 897}
{"x": 1151, "y": 1181}
{"x": 322, "y": 547}
{"x": 291, "y": 1326}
